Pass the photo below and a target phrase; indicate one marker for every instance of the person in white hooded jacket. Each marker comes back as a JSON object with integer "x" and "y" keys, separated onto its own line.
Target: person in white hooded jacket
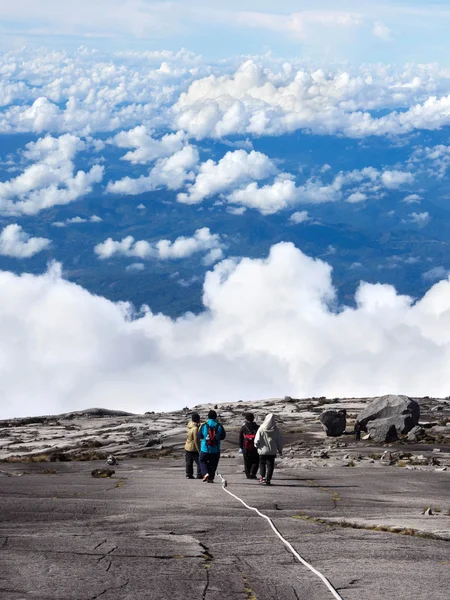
{"x": 268, "y": 442}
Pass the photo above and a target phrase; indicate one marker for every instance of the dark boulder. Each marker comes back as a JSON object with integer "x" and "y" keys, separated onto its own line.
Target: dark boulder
{"x": 334, "y": 422}
{"x": 403, "y": 412}
{"x": 382, "y": 431}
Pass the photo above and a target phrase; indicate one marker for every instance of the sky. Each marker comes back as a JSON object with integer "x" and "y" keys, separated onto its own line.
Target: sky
{"x": 394, "y": 31}
{"x": 143, "y": 135}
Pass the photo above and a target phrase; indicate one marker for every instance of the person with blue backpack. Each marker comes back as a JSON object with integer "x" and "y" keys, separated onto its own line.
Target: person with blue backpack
{"x": 210, "y": 435}
{"x": 247, "y": 445}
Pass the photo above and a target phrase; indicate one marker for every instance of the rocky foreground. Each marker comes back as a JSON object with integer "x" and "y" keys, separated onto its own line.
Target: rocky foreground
{"x": 372, "y": 516}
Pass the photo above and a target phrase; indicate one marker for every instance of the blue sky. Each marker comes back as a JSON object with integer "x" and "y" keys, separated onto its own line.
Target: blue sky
{"x": 388, "y": 31}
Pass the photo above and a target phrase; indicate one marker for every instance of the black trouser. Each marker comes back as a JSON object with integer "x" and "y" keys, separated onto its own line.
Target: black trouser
{"x": 251, "y": 463}
{"x": 266, "y": 461}
{"x": 208, "y": 463}
{"x": 191, "y": 458}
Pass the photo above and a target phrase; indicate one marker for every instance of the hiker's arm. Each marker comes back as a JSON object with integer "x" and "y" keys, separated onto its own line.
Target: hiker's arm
{"x": 257, "y": 438}
{"x": 200, "y": 433}
{"x": 224, "y": 433}
{"x": 196, "y": 439}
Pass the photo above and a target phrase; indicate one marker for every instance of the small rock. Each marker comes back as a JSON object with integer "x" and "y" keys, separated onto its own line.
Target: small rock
{"x": 366, "y": 437}
{"x": 428, "y": 512}
{"x": 101, "y": 473}
{"x": 436, "y": 449}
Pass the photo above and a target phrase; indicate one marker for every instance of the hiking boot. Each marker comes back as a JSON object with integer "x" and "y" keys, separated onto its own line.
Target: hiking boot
{"x": 262, "y": 480}
{"x": 199, "y": 476}
{"x": 253, "y": 477}
{"x": 205, "y": 478}
{"x": 268, "y": 483}
{"x": 190, "y": 477}
{"x": 210, "y": 480}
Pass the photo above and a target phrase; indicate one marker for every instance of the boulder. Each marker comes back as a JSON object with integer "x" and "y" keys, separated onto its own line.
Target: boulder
{"x": 334, "y": 422}
{"x": 402, "y": 411}
{"x": 382, "y": 431}
{"x": 416, "y": 434}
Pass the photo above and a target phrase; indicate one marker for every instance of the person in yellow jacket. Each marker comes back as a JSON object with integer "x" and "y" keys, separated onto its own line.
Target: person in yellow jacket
{"x": 192, "y": 448}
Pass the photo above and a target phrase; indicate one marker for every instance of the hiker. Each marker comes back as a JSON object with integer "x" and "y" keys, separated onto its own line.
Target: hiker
{"x": 268, "y": 441}
{"x": 247, "y": 445}
{"x": 210, "y": 434}
{"x": 192, "y": 447}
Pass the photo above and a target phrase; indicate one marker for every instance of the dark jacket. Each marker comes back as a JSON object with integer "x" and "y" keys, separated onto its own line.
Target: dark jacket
{"x": 203, "y": 432}
{"x": 248, "y": 427}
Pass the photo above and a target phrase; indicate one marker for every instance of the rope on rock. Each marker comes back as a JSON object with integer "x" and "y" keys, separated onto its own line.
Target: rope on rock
{"x": 285, "y": 542}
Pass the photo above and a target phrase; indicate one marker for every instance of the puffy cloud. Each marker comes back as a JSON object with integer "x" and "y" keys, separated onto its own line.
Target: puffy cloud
{"x": 268, "y": 199}
{"x": 255, "y": 100}
{"x": 15, "y": 242}
{"x": 135, "y": 267}
{"x": 51, "y": 180}
{"x": 284, "y": 193}
{"x": 356, "y": 197}
{"x": 299, "y": 217}
{"x": 394, "y": 179}
{"x": 238, "y": 348}
{"x": 420, "y": 219}
{"x": 436, "y": 274}
{"x": 202, "y": 241}
{"x": 382, "y": 31}
{"x": 171, "y": 172}
{"x": 234, "y": 169}
{"x": 147, "y": 147}
{"x": 88, "y": 92}
{"x": 412, "y": 199}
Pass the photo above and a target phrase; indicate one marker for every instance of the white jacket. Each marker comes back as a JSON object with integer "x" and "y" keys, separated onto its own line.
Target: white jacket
{"x": 268, "y": 438}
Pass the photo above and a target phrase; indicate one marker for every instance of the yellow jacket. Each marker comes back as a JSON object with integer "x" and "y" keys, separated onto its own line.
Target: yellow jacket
{"x": 192, "y": 440}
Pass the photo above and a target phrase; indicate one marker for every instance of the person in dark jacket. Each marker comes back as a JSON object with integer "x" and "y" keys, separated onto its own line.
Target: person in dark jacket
{"x": 210, "y": 435}
{"x": 247, "y": 445}
{"x": 192, "y": 447}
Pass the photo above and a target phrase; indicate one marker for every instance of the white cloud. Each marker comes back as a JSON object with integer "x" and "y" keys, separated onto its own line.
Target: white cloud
{"x": 147, "y": 147}
{"x": 77, "y": 220}
{"x": 16, "y": 243}
{"x": 238, "y": 348}
{"x": 202, "y": 241}
{"x": 436, "y": 274}
{"x": 420, "y": 219}
{"x": 394, "y": 179}
{"x": 412, "y": 199}
{"x": 51, "y": 180}
{"x": 356, "y": 197}
{"x": 268, "y": 199}
{"x": 299, "y": 217}
{"x": 171, "y": 172}
{"x": 256, "y": 100}
{"x": 232, "y": 170}
{"x": 382, "y": 31}
{"x": 135, "y": 267}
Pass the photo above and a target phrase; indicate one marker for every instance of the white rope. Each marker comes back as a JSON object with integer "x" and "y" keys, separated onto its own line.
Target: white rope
{"x": 285, "y": 542}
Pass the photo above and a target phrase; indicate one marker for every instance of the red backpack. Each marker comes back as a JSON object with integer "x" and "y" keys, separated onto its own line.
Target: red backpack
{"x": 249, "y": 442}
{"x": 212, "y": 439}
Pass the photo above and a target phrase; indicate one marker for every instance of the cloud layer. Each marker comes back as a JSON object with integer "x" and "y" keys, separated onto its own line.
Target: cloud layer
{"x": 239, "y": 347}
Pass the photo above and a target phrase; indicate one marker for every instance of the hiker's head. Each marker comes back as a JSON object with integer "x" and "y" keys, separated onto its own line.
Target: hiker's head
{"x": 195, "y": 417}
{"x": 250, "y": 417}
{"x": 269, "y": 422}
{"x": 212, "y": 415}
